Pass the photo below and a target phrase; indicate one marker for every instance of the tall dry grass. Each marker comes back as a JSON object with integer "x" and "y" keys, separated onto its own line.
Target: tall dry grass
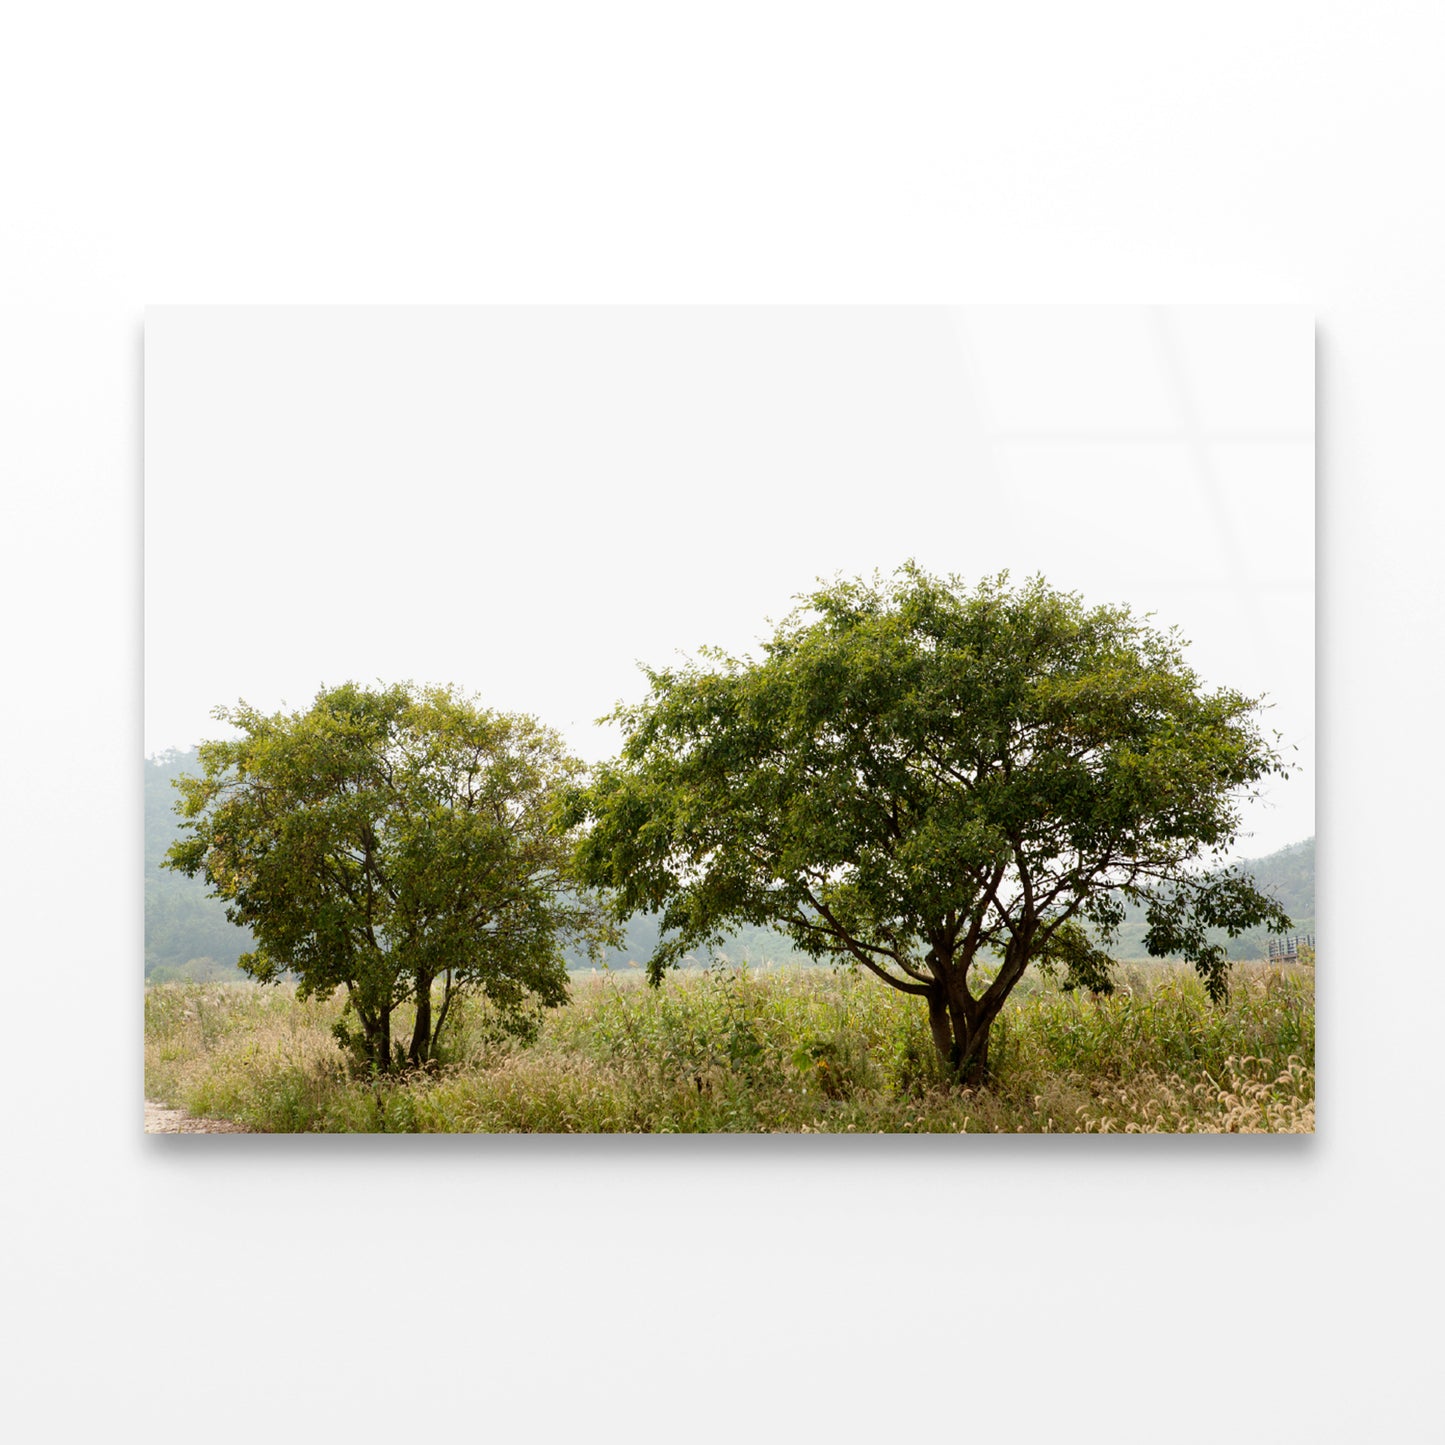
{"x": 788, "y": 1050}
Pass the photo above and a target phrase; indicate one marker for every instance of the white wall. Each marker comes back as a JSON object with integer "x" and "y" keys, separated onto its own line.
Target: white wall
{"x": 1262, "y": 1290}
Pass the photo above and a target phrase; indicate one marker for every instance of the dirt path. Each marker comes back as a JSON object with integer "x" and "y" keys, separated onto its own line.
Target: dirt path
{"x": 160, "y": 1120}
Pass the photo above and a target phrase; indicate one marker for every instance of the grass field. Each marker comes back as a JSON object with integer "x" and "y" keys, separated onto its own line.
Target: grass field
{"x": 779, "y": 1050}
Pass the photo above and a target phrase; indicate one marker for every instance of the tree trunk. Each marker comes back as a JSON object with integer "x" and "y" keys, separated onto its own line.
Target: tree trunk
{"x": 383, "y": 1040}
{"x": 441, "y": 1022}
{"x": 960, "y": 1035}
{"x": 971, "y": 1057}
{"x": 940, "y": 1026}
{"x": 421, "y": 1034}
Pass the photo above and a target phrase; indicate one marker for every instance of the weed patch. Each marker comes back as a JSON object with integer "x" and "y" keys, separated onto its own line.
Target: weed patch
{"x": 786, "y": 1050}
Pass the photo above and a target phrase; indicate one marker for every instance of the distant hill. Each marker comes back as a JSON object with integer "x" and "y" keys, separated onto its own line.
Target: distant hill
{"x": 187, "y": 932}
{"x": 760, "y": 947}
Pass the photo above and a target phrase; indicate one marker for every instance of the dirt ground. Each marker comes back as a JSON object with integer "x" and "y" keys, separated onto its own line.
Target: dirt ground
{"x": 160, "y": 1120}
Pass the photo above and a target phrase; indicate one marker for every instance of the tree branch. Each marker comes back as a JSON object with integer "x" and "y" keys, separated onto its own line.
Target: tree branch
{"x": 860, "y": 951}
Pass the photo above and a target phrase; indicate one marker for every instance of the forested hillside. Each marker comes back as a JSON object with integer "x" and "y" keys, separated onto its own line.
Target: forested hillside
{"x": 187, "y": 933}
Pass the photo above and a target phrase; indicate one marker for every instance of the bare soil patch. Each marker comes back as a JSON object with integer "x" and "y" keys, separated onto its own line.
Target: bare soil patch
{"x": 161, "y": 1120}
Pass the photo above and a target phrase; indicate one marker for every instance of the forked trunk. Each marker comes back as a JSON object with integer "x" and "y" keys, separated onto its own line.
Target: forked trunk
{"x": 960, "y": 1036}
{"x": 373, "y": 1048}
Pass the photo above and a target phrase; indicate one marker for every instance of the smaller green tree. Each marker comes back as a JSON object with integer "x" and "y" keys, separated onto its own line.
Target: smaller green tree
{"x": 399, "y": 843}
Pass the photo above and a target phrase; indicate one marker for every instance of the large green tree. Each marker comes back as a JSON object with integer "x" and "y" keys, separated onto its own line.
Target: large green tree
{"x": 942, "y": 785}
{"x": 400, "y": 843}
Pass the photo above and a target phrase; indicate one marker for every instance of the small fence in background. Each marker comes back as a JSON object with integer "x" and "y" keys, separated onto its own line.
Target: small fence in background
{"x": 1286, "y": 950}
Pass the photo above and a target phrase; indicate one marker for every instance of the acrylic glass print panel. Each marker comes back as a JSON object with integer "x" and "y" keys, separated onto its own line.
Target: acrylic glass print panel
{"x": 750, "y": 719}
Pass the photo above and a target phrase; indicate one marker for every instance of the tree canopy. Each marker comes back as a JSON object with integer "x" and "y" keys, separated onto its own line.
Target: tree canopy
{"x": 942, "y": 785}
{"x": 388, "y": 841}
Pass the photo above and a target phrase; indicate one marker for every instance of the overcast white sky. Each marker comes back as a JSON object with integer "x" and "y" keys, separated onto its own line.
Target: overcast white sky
{"x": 527, "y": 502}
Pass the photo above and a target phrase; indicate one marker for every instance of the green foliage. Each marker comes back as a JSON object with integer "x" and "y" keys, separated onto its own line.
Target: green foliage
{"x": 1287, "y": 876}
{"x": 388, "y": 840}
{"x": 1071, "y": 955}
{"x": 1182, "y": 917}
{"x": 917, "y": 775}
